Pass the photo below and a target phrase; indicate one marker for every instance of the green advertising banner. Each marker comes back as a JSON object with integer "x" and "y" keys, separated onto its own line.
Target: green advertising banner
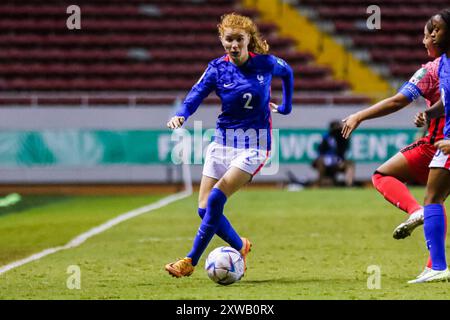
{"x": 366, "y": 145}
{"x": 147, "y": 147}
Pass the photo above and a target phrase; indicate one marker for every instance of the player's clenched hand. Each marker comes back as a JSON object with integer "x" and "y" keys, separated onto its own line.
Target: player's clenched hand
{"x": 273, "y": 107}
{"x": 444, "y": 146}
{"x": 176, "y": 122}
{"x": 350, "y": 124}
{"x": 420, "y": 119}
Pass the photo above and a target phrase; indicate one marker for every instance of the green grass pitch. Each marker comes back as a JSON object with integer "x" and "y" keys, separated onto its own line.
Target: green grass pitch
{"x": 313, "y": 244}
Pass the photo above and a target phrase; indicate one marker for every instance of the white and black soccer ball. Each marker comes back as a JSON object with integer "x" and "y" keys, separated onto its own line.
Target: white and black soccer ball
{"x": 225, "y": 265}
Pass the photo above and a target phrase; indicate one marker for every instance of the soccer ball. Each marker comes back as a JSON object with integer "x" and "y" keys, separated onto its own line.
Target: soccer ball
{"x": 224, "y": 265}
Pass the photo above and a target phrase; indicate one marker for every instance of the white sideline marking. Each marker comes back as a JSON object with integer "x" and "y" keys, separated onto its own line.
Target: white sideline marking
{"x": 105, "y": 226}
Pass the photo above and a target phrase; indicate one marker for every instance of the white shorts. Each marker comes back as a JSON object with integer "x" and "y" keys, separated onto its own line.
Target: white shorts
{"x": 440, "y": 160}
{"x": 220, "y": 158}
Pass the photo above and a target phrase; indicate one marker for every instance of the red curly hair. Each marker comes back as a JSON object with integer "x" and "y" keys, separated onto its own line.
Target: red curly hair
{"x": 233, "y": 20}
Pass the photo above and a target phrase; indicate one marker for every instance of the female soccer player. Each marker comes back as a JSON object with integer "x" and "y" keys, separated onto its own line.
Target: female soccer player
{"x": 438, "y": 184}
{"x": 411, "y": 163}
{"x": 242, "y": 141}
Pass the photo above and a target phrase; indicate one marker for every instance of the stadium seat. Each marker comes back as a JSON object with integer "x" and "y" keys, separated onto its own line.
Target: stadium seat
{"x": 142, "y": 48}
{"x": 402, "y": 24}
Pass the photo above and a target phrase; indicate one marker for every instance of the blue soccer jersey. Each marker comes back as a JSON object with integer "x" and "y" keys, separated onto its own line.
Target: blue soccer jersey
{"x": 245, "y": 95}
{"x": 444, "y": 79}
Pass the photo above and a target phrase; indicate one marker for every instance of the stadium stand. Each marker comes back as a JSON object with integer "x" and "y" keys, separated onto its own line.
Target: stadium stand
{"x": 396, "y": 47}
{"x": 139, "y": 53}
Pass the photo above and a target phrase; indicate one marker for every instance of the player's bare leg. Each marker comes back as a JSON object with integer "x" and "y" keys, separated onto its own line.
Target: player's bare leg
{"x": 206, "y": 185}
{"x": 398, "y": 168}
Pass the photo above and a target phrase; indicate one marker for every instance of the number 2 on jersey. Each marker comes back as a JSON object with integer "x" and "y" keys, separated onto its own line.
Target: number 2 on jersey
{"x": 249, "y": 97}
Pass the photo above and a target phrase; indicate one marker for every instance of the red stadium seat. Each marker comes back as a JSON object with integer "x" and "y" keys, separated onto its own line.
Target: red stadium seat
{"x": 141, "y": 46}
{"x": 385, "y": 41}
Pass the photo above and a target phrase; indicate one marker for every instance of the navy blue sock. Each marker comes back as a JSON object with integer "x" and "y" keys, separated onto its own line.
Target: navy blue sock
{"x": 209, "y": 225}
{"x": 225, "y": 231}
{"x": 434, "y": 229}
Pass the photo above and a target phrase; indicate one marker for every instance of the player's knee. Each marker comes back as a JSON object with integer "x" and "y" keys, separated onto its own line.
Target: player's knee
{"x": 216, "y": 199}
{"x": 201, "y": 212}
{"x": 223, "y": 185}
{"x": 202, "y": 201}
{"x": 203, "y": 198}
{"x": 376, "y": 177}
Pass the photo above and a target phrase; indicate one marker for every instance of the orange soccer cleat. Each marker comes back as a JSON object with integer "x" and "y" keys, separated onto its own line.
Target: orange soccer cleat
{"x": 180, "y": 268}
{"x": 246, "y": 248}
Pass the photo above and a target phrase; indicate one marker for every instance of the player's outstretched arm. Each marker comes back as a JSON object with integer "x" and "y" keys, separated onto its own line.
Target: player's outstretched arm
{"x": 284, "y": 71}
{"x": 380, "y": 109}
{"x": 194, "y": 98}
